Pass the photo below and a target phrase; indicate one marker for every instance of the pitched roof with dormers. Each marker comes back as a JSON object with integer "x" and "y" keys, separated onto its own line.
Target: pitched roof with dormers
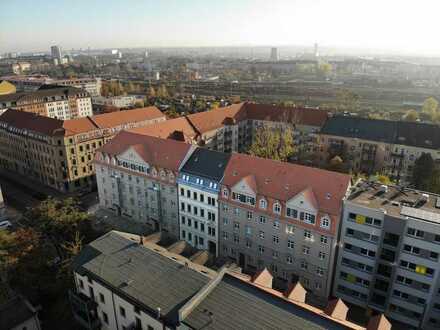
{"x": 281, "y": 181}
{"x": 159, "y": 152}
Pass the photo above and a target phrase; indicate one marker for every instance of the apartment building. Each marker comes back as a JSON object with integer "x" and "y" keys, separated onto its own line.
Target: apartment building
{"x": 125, "y": 282}
{"x": 389, "y": 255}
{"x": 116, "y": 101}
{"x": 51, "y": 101}
{"x": 59, "y": 153}
{"x": 233, "y": 128}
{"x": 31, "y": 83}
{"x": 137, "y": 179}
{"x": 199, "y": 185}
{"x": 379, "y": 146}
{"x": 284, "y": 217}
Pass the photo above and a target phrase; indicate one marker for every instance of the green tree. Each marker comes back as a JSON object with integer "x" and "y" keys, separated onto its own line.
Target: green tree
{"x": 411, "y": 115}
{"x": 424, "y": 168}
{"x": 430, "y": 106}
{"x": 347, "y": 101}
{"x": 273, "y": 143}
{"x": 59, "y": 221}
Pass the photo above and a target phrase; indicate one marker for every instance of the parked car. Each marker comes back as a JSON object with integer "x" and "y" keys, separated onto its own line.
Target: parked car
{"x": 5, "y": 225}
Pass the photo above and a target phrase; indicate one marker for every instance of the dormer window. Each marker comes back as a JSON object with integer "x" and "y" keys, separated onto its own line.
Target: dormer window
{"x": 325, "y": 222}
{"x": 241, "y": 198}
{"x": 225, "y": 192}
{"x": 277, "y": 208}
{"x": 263, "y": 204}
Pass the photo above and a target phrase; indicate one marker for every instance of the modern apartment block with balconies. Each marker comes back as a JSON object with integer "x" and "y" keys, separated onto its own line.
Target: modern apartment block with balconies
{"x": 389, "y": 253}
{"x": 284, "y": 217}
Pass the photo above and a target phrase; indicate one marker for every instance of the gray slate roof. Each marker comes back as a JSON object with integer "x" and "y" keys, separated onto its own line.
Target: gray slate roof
{"x": 235, "y": 304}
{"x": 143, "y": 275}
{"x": 207, "y": 163}
{"x": 394, "y": 132}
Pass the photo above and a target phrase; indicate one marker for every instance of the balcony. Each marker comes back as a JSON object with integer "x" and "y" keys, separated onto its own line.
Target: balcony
{"x": 84, "y": 310}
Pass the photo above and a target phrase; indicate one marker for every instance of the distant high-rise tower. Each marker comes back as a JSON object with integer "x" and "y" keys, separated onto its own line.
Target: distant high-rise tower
{"x": 56, "y": 53}
{"x": 274, "y": 54}
{"x": 316, "y": 50}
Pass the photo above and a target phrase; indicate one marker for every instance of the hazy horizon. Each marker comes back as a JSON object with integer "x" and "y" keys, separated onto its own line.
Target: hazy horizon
{"x": 396, "y": 27}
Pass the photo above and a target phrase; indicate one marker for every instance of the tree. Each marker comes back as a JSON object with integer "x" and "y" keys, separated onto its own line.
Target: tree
{"x": 424, "y": 168}
{"x": 59, "y": 220}
{"x": 171, "y": 112}
{"x": 162, "y": 92}
{"x": 325, "y": 68}
{"x": 151, "y": 92}
{"x": 347, "y": 101}
{"x": 430, "y": 106}
{"x": 273, "y": 143}
{"x": 411, "y": 115}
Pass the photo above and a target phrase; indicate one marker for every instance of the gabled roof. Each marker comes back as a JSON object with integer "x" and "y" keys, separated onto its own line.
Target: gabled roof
{"x": 206, "y": 163}
{"x": 163, "y": 153}
{"x": 213, "y": 119}
{"x": 282, "y": 181}
{"x": 168, "y": 128}
{"x": 56, "y": 127}
{"x": 299, "y": 116}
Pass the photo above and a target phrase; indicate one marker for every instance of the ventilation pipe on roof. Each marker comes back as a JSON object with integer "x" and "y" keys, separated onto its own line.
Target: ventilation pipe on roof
{"x": 158, "y": 312}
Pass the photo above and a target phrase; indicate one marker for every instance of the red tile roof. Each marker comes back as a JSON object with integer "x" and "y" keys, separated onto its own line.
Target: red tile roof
{"x": 168, "y": 128}
{"x": 52, "y": 127}
{"x": 159, "y": 152}
{"x": 300, "y": 116}
{"x": 282, "y": 181}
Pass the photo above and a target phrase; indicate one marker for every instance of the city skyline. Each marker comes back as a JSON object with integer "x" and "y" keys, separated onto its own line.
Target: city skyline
{"x": 221, "y": 23}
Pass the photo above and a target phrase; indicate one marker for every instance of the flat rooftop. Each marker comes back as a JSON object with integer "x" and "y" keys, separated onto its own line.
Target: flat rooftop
{"x": 397, "y": 201}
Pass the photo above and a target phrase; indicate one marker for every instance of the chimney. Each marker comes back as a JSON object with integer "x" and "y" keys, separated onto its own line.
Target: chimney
{"x": 263, "y": 278}
{"x": 296, "y": 292}
{"x": 336, "y": 309}
{"x": 379, "y": 322}
{"x": 158, "y": 312}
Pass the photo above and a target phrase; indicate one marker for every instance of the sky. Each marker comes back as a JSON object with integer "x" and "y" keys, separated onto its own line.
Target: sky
{"x": 408, "y": 26}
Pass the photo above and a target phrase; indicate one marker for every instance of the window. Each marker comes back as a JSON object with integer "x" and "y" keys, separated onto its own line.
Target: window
{"x": 225, "y": 221}
{"x": 290, "y": 229}
{"x": 290, "y": 244}
{"x": 194, "y": 195}
{"x": 325, "y": 222}
{"x": 304, "y": 265}
{"x": 183, "y": 234}
{"x": 261, "y": 249}
{"x": 236, "y": 239}
{"x": 277, "y": 208}
{"x": 261, "y": 234}
{"x": 243, "y": 198}
{"x": 122, "y": 311}
{"x": 275, "y": 254}
{"x": 292, "y": 213}
{"x": 248, "y": 244}
{"x": 289, "y": 259}
{"x": 248, "y": 230}
{"x": 319, "y": 271}
{"x": 263, "y": 204}
{"x": 324, "y": 239}
{"x": 105, "y": 317}
{"x": 276, "y": 239}
{"x": 225, "y": 208}
{"x": 306, "y": 249}
{"x": 236, "y": 225}
{"x": 276, "y": 224}
{"x": 308, "y": 235}
{"x": 309, "y": 218}
{"x": 225, "y": 193}
{"x": 81, "y": 284}
{"x": 225, "y": 235}
{"x": 416, "y": 232}
{"x": 101, "y": 298}
{"x": 202, "y": 198}
{"x": 262, "y": 219}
